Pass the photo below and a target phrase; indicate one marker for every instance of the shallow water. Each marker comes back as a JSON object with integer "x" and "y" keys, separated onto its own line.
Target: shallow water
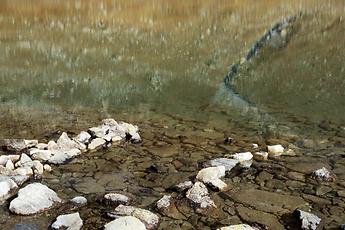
{"x": 66, "y": 66}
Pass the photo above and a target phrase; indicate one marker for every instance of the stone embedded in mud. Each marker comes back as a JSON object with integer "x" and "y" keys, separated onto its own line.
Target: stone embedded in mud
{"x": 80, "y": 200}
{"x": 211, "y": 176}
{"x": 150, "y": 219}
{"x": 116, "y": 199}
{"x": 275, "y": 150}
{"x": 241, "y": 157}
{"x": 7, "y": 188}
{"x": 323, "y": 174}
{"x": 226, "y": 162}
{"x": 125, "y": 223}
{"x": 308, "y": 220}
{"x": 41, "y": 155}
{"x": 238, "y": 227}
{"x": 34, "y": 198}
{"x": 69, "y": 222}
{"x": 96, "y": 143}
{"x": 199, "y": 195}
{"x": 261, "y": 156}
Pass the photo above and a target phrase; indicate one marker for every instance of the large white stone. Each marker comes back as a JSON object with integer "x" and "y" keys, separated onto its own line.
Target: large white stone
{"x": 83, "y": 137}
{"x": 116, "y": 198}
{"x": 211, "y": 176}
{"x": 275, "y": 150}
{"x": 34, "y": 198}
{"x": 7, "y": 187}
{"x": 125, "y": 223}
{"x": 226, "y": 162}
{"x": 309, "y": 220}
{"x": 61, "y": 156}
{"x": 9, "y": 165}
{"x": 23, "y": 171}
{"x": 5, "y": 158}
{"x": 25, "y": 159}
{"x": 199, "y": 195}
{"x": 96, "y": 143}
{"x": 150, "y": 219}
{"x": 241, "y": 157}
{"x": 41, "y": 155}
{"x": 69, "y": 222}
{"x": 64, "y": 142}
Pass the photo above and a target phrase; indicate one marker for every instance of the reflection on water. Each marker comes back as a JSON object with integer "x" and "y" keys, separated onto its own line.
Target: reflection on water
{"x": 154, "y": 56}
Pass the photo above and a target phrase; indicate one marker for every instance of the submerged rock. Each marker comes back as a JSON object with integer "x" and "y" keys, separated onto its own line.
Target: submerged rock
{"x": 125, "y": 223}
{"x": 69, "y": 222}
{"x": 226, "y": 162}
{"x": 198, "y": 194}
{"x": 211, "y": 176}
{"x": 323, "y": 174}
{"x": 150, "y": 219}
{"x": 275, "y": 150}
{"x": 25, "y": 226}
{"x": 308, "y": 220}
{"x": 34, "y": 198}
{"x": 7, "y": 188}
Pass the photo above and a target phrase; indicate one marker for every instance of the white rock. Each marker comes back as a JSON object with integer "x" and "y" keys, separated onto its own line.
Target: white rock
{"x": 42, "y": 146}
{"x": 184, "y": 185}
{"x": 23, "y": 171}
{"x": 69, "y": 222}
{"x": 117, "y": 198}
{"x": 211, "y": 176}
{"x": 199, "y": 195}
{"x": 238, "y": 227}
{"x": 20, "y": 179}
{"x": 109, "y": 122}
{"x": 164, "y": 202}
{"x": 255, "y": 146}
{"x": 218, "y": 183}
{"x": 5, "y": 171}
{"x": 116, "y": 139}
{"x": 323, "y": 174}
{"x": 150, "y": 219}
{"x": 261, "y": 156}
{"x": 41, "y": 155}
{"x": 7, "y": 187}
{"x": 25, "y": 159}
{"x": 309, "y": 220}
{"x": 37, "y": 167}
{"x": 246, "y": 164}
{"x": 47, "y": 168}
{"x": 102, "y": 132}
{"x": 5, "y": 158}
{"x": 275, "y": 150}
{"x": 33, "y": 198}
{"x": 79, "y": 200}
{"x": 30, "y": 143}
{"x": 125, "y": 223}
{"x": 15, "y": 144}
{"x": 246, "y": 156}
{"x": 95, "y": 143}
{"x": 83, "y": 137}
{"x": 61, "y": 156}
{"x": 65, "y": 143}
{"x": 9, "y": 165}
{"x": 52, "y": 146}
{"x": 226, "y": 162}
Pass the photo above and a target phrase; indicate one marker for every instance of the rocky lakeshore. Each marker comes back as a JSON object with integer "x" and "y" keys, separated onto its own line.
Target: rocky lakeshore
{"x": 202, "y": 179}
